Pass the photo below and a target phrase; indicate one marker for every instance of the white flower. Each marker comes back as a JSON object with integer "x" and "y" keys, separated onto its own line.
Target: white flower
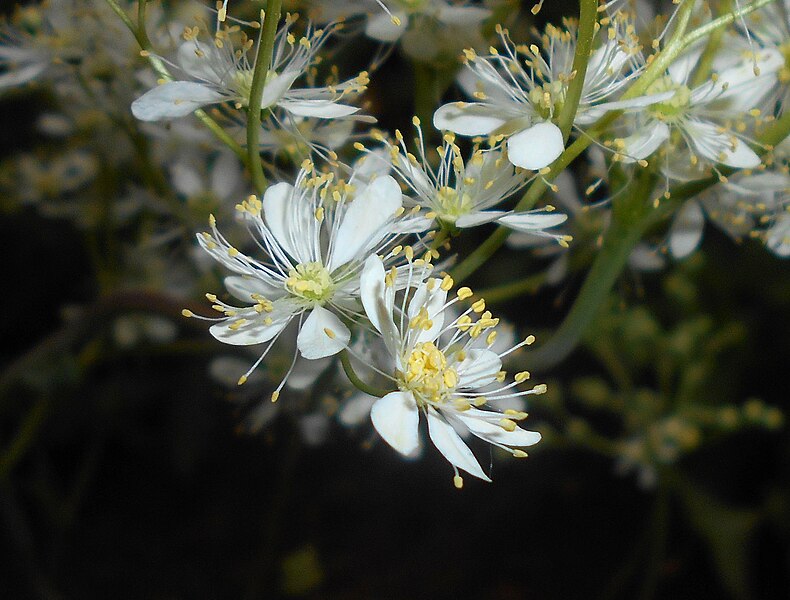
{"x": 700, "y": 117}
{"x": 746, "y": 204}
{"x": 219, "y": 72}
{"x": 458, "y": 194}
{"x": 440, "y": 379}
{"x": 519, "y": 91}
{"x": 315, "y": 236}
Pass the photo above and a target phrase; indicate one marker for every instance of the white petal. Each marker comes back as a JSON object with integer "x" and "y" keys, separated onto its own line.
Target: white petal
{"x": 535, "y": 147}
{"x": 778, "y": 240}
{"x": 244, "y": 287}
{"x": 479, "y": 218}
{"x": 533, "y": 221}
{"x": 225, "y": 176}
{"x": 479, "y": 368}
{"x": 174, "y": 99}
{"x": 720, "y": 146}
{"x": 462, "y": 15}
{"x": 380, "y": 27}
{"x": 200, "y": 66}
{"x": 644, "y": 141}
{"x": 397, "y": 420}
{"x": 279, "y": 208}
{"x": 377, "y": 300}
{"x": 21, "y": 75}
{"x": 276, "y": 86}
{"x": 364, "y": 222}
{"x": 686, "y": 231}
{"x": 322, "y": 334}
{"x": 466, "y": 118}
{"x": 452, "y": 447}
{"x": 254, "y": 331}
{"x": 323, "y": 109}
{"x": 492, "y": 432}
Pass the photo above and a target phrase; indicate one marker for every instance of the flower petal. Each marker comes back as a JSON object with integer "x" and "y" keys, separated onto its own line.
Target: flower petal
{"x": 493, "y": 433}
{"x": 283, "y": 215}
{"x": 356, "y": 409}
{"x": 378, "y": 300}
{"x": 244, "y": 287}
{"x": 452, "y": 447}
{"x": 174, "y": 99}
{"x": 397, "y": 419}
{"x": 322, "y": 334}
{"x": 363, "y": 224}
{"x": 276, "y": 87}
{"x": 721, "y": 146}
{"x": 686, "y": 231}
{"x": 466, "y": 118}
{"x": 535, "y": 147}
{"x": 533, "y": 221}
{"x": 644, "y": 141}
{"x": 479, "y": 218}
{"x": 479, "y": 368}
{"x": 255, "y": 330}
{"x": 323, "y": 109}
{"x": 462, "y": 15}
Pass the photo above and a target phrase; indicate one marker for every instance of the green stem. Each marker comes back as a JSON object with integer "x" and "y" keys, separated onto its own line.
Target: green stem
{"x": 630, "y": 218}
{"x": 263, "y": 61}
{"x": 723, "y": 21}
{"x": 345, "y": 360}
{"x": 507, "y": 291}
{"x": 588, "y": 17}
{"x": 425, "y": 96}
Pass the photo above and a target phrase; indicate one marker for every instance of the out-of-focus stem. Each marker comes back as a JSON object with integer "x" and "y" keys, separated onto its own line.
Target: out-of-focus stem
{"x": 263, "y": 61}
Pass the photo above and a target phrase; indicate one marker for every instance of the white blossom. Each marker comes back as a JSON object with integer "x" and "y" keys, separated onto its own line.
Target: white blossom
{"x": 520, "y": 90}
{"x": 439, "y": 376}
{"x": 217, "y": 72}
{"x": 315, "y": 236}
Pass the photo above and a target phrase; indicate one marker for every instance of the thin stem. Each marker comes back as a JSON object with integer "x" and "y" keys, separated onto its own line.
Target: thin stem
{"x": 705, "y": 63}
{"x": 629, "y": 221}
{"x": 263, "y": 61}
{"x": 25, "y": 436}
{"x": 588, "y": 17}
{"x": 345, "y": 360}
{"x": 723, "y": 21}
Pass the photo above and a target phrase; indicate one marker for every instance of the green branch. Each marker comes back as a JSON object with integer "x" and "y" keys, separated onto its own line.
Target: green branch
{"x": 263, "y": 60}
{"x": 588, "y": 18}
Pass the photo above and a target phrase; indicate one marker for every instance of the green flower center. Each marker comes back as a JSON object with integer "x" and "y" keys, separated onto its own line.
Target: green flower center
{"x": 548, "y": 99}
{"x": 241, "y": 83}
{"x": 674, "y": 108}
{"x": 451, "y": 205}
{"x": 311, "y": 282}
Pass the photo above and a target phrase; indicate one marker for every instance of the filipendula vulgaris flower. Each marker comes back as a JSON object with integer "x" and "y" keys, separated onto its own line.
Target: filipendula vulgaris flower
{"x": 458, "y": 193}
{"x": 769, "y": 30}
{"x": 219, "y": 71}
{"x": 315, "y": 236}
{"x": 746, "y": 204}
{"x": 438, "y": 372}
{"x": 521, "y": 89}
{"x": 698, "y": 128}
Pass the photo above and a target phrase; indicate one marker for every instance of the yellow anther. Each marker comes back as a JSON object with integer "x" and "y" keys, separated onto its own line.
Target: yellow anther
{"x": 520, "y": 453}
{"x": 242, "y": 380}
{"x": 458, "y": 482}
{"x": 275, "y": 395}
{"x": 507, "y": 424}
{"x": 464, "y": 293}
{"x": 479, "y": 306}
{"x": 329, "y": 333}
{"x": 522, "y": 376}
{"x": 187, "y": 313}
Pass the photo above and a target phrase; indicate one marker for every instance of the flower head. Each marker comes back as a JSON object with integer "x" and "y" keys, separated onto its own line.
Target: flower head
{"x": 220, "y": 71}
{"x": 441, "y": 364}
{"x": 315, "y": 236}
